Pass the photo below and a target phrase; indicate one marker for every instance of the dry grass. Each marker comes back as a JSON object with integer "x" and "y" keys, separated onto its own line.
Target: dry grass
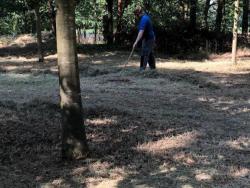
{"x": 20, "y": 40}
{"x": 184, "y": 125}
{"x": 168, "y": 143}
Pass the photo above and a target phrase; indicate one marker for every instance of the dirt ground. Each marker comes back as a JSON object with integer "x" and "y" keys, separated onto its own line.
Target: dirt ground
{"x": 185, "y": 125}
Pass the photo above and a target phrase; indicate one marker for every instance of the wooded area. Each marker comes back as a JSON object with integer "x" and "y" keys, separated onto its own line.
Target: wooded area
{"x": 76, "y": 110}
{"x": 179, "y": 25}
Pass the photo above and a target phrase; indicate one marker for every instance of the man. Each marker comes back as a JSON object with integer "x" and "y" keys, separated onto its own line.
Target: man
{"x": 147, "y": 35}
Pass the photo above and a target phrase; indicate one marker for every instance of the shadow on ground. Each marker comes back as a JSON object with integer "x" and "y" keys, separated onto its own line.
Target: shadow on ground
{"x": 175, "y": 140}
{"x": 166, "y": 128}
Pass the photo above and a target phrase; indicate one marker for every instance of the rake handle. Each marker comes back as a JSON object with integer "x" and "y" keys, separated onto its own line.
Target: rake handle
{"x": 130, "y": 55}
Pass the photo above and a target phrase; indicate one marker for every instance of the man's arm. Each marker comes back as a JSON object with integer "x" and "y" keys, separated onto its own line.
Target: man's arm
{"x": 139, "y": 37}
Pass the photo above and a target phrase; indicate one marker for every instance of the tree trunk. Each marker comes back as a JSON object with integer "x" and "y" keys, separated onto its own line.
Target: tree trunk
{"x": 219, "y": 15}
{"x": 245, "y": 16}
{"x": 26, "y": 20}
{"x": 119, "y": 20}
{"x": 110, "y": 36}
{"x": 207, "y": 6}
{"x": 183, "y": 10}
{"x": 193, "y": 9}
{"x": 127, "y": 2}
{"x": 52, "y": 14}
{"x": 235, "y": 31}
{"x": 84, "y": 34}
{"x": 39, "y": 34}
{"x": 74, "y": 144}
{"x": 95, "y": 33}
{"x": 95, "y": 26}
{"x": 119, "y": 9}
{"x": 79, "y": 35}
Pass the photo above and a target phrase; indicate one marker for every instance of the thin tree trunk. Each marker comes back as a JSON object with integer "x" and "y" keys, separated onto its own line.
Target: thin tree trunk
{"x": 74, "y": 144}
{"x": 110, "y": 37}
{"x": 25, "y": 20}
{"x": 119, "y": 9}
{"x": 95, "y": 27}
{"x": 245, "y": 16}
{"x": 125, "y": 5}
{"x": 186, "y": 10}
{"x": 84, "y": 33}
{"x": 224, "y": 14}
{"x": 235, "y": 31}
{"x": 119, "y": 19}
{"x": 207, "y": 6}
{"x": 127, "y": 2}
{"x": 39, "y": 34}
{"x": 52, "y": 14}
{"x": 79, "y": 35}
{"x": 95, "y": 30}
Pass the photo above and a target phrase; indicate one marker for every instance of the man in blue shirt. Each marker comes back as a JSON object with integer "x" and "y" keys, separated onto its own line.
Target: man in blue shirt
{"x": 146, "y": 33}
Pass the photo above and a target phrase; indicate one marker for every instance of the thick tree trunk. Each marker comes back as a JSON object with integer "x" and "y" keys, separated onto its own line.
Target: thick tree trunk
{"x": 245, "y": 16}
{"x": 235, "y": 31}
{"x": 110, "y": 36}
{"x": 52, "y": 14}
{"x": 74, "y": 144}
{"x": 39, "y": 34}
{"x": 219, "y": 15}
{"x": 207, "y": 6}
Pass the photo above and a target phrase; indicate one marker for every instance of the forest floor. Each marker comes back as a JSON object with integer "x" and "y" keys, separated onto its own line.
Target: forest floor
{"x": 185, "y": 125}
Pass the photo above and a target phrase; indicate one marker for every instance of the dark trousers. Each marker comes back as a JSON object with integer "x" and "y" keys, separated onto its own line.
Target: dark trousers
{"x": 147, "y": 54}
{"x": 150, "y": 60}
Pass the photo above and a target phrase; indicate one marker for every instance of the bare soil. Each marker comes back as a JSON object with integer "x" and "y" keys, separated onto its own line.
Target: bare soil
{"x": 185, "y": 125}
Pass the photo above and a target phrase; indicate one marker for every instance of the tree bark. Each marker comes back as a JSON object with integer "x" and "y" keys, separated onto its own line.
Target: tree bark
{"x": 95, "y": 27}
{"x": 245, "y": 16}
{"x": 39, "y": 34}
{"x": 79, "y": 35}
{"x": 207, "y": 6}
{"x": 119, "y": 21}
{"x": 119, "y": 8}
{"x": 235, "y": 31}
{"x": 52, "y": 14}
{"x": 95, "y": 33}
{"x": 110, "y": 36}
{"x": 219, "y": 15}
{"x": 193, "y": 10}
{"x": 183, "y": 10}
{"x": 74, "y": 144}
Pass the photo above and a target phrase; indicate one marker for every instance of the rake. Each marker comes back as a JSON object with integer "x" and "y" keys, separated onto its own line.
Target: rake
{"x": 126, "y": 62}
{"x": 120, "y": 79}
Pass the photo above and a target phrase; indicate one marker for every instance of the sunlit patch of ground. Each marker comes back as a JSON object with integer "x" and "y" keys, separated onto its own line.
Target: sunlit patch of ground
{"x": 19, "y": 40}
{"x": 162, "y": 146}
{"x": 184, "y": 125}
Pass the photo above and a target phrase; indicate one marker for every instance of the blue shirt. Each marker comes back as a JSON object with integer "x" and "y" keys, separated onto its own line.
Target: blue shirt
{"x": 146, "y": 25}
